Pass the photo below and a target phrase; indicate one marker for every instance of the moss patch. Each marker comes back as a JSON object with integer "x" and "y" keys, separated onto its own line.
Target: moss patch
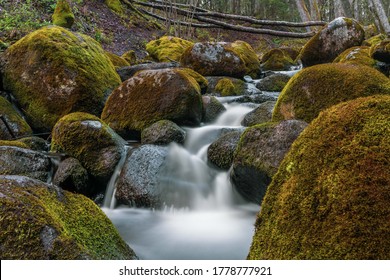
{"x": 63, "y": 15}
{"x": 356, "y": 55}
{"x": 117, "y": 61}
{"x": 40, "y": 222}
{"x": 13, "y": 144}
{"x": 229, "y": 87}
{"x": 276, "y": 60}
{"x": 321, "y": 86}
{"x": 115, "y": 5}
{"x": 248, "y": 56}
{"x": 167, "y": 48}
{"x": 330, "y": 196}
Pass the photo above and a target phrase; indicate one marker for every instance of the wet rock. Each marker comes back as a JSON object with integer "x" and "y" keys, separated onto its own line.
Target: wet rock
{"x": 275, "y": 82}
{"x": 162, "y": 133}
{"x": 138, "y": 181}
{"x": 212, "y": 108}
{"x": 220, "y": 152}
{"x": 334, "y": 38}
{"x": 40, "y": 221}
{"x": 258, "y": 155}
{"x": 21, "y": 161}
{"x": 262, "y": 114}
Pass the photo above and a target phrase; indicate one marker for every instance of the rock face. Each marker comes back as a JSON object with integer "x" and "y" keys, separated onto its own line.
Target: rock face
{"x": 220, "y": 152}
{"x": 88, "y": 139}
{"x": 334, "y": 38}
{"x": 321, "y": 86}
{"x": 151, "y": 96}
{"x": 40, "y": 221}
{"x": 63, "y": 15}
{"x": 258, "y": 155}
{"x": 329, "y": 198}
{"x": 53, "y": 72}
{"x": 167, "y": 48}
{"x": 12, "y": 125}
{"x": 262, "y": 114}
{"x": 21, "y": 161}
{"x": 235, "y": 59}
{"x": 162, "y": 133}
{"x": 138, "y": 182}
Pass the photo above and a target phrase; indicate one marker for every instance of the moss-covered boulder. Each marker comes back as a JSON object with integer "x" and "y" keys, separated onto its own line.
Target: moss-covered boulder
{"x": 212, "y": 108}
{"x": 153, "y": 95}
{"x": 130, "y": 57}
{"x": 330, "y": 196}
{"x": 275, "y": 82}
{"x": 381, "y": 51}
{"x": 40, "y": 221}
{"x": 138, "y": 182}
{"x": 374, "y": 40}
{"x": 334, "y": 38}
{"x": 12, "y": 125}
{"x": 276, "y": 60}
{"x": 17, "y": 159}
{"x": 117, "y": 60}
{"x": 35, "y": 143}
{"x": 91, "y": 141}
{"x": 162, "y": 133}
{"x": 63, "y": 15}
{"x": 322, "y": 86}
{"x": 262, "y": 114}
{"x": 221, "y": 152}
{"x": 115, "y": 5}
{"x": 53, "y": 72}
{"x": 72, "y": 176}
{"x": 167, "y": 48}
{"x": 258, "y": 155}
{"x": 235, "y": 59}
{"x": 226, "y": 86}
{"x": 357, "y": 55}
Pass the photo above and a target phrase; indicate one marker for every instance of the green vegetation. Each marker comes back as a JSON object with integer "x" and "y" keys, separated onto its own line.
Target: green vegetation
{"x": 329, "y": 198}
{"x": 229, "y": 87}
{"x": 63, "y": 15}
{"x": 167, "y": 48}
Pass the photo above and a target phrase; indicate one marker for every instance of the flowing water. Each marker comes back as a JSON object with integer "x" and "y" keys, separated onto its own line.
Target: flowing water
{"x": 204, "y": 217}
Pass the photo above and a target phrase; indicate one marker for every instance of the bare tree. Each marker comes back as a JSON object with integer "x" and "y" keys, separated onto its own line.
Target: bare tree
{"x": 381, "y": 16}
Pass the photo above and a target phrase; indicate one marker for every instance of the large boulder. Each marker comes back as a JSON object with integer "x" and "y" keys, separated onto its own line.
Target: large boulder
{"x": 91, "y": 141}
{"x": 262, "y": 114}
{"x": 334, "y": 38}
{"x": 40, "y": 221}
{"x": 330, "y": 196}
{"x": 138, "y": 183}
{"x": 162, "y": 133}
{"x": 258, "y": 155}
{"x": 53, "y": 72}
{"x": 153, "y": 95}
{"x": 321, "y": 86}
{"x": 235, "y": 59}
{"x": 12, "y": 125}
{"x": 167, "y": 48}
{"x": 18, "y": 160}
{"x": 221, "y": 151}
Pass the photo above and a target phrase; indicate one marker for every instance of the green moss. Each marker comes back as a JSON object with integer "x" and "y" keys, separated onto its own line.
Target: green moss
{"x": 13, "y": 144}
{"x": 63, "y": 15}
{"x": 248, "y": 56}
{"x": 62, "y": 72}
{"x": 130, "y": 57}
{"x": 117, "y": 61}
{"x": 374, "y": 40}
{"x": 321, "y": 86}
{"x": 201, "y": 81}
{"x": 167, "y": 48}
{"x": 381, "y": 51}
{"x": 276, "y": 60}
{"x": 39, "y": 222}
{"x": 356, "y": 55}
{"x": 329, "y": 198}
{"x": 115, "y": 5}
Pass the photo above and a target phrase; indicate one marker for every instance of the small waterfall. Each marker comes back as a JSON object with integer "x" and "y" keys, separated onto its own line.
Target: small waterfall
{"x": 109, "y": 197}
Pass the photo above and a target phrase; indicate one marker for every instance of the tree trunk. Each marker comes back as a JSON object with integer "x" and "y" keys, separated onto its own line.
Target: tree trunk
{"x": 303, "y": 12}
{"x": 338, "y": 9}
{"x": 381, "y": 16}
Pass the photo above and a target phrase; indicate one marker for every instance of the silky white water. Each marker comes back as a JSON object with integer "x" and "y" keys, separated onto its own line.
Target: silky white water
{"x": 204, "y": 218}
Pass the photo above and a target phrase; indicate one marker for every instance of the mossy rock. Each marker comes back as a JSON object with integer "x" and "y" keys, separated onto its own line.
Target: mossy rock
{"x": 162, "y": 133}
{"x": 153, "y": 95}
{"x": 381, "y": 51}
{"x": 115, "y": 5}
{"x": 17, "y": 159}
{"x": 357, "y": 55}
{"x": 12, "y": 125}
{"x": 221, "y": 152}
{"x": 202, "y": 81}
{"x": 35, "y": 143}
{"x": 117, "y": 61}
{"x": 167, "y": 48}
{"x": 91, "y": 141}
{"x": 249, "y": 56}
{"x": 226, "y": 86}
{"x": 276, "y": 60}
{"x": 53, "y": 72}
{"x": 219, "y": 59}
{"x": 374, "y": 40}
{"x": 260, "y": 151}
{"x": 40, "y": 221}
{"x": 63, "y": 15}
{"x": 212, "y": 108}
{"x": 334, "y": 38}
{"x": 262, "y": 114}
{"x": 330, "y": 196}
{"x": 321, "y": 86}
{"x": 275, "y": 82}
{"x": 130, "y": 57}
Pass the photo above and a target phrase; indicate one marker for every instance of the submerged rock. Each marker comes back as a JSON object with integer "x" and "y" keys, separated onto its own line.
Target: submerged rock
{"x": 53, "y": 71}
{"x": 40, "y": 221}
{"x": 330, "y": 196}
{"x": 21, "y": 161}
{"x": 162, "y": 133}
{"x": 258, "y": 155}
